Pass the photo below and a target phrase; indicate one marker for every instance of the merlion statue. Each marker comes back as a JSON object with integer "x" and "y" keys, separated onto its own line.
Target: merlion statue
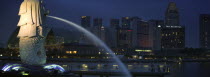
{"x": 32, "y": 32}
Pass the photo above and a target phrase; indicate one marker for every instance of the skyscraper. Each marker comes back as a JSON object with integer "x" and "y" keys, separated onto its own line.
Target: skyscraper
{"x": 172, "y": 15}
{"x": 126, "y": 22}
{"x": 134, "y": 24}
{"x": 98, "y": 29}
{"x": 124, "y": 38}
{"x": 205, "y": 31}
{"x": 111, "y": 33}
{"x": 143, "y": 36}
{"x": 97, "y": 22}
{"x": 156, "y": 33}
{"x": 173, "y": 37}
{"x": 115, "y": 23}
{"x": 85, "y": 21}
{"x": 172, "y": 34}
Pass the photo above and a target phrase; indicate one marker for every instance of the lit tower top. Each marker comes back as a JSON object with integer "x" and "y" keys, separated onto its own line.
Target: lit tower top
{"x": 172, "y": 15}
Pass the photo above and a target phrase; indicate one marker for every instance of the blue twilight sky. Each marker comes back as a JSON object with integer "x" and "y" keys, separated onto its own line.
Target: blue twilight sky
{"x": 106, "y": 9}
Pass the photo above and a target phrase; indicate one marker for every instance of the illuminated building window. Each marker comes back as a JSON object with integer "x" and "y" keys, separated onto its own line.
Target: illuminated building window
{"x": 143, "y": 50}
{"x": 75, "y": 52}
{"x": 67, "y": 52}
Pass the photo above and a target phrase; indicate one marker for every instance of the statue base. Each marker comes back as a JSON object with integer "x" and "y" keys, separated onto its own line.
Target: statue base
{"x": 32, "y": 50}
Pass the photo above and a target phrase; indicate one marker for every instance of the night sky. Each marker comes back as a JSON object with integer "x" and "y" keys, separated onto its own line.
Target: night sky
{"x": 106, "y": 9}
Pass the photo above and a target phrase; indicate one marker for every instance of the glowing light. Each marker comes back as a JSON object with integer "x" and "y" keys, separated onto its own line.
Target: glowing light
{"x": 10, "y": 67}
{"x": 23, "y": 73}
{"x": 75, "y": 52}
{"x": 115, "y": 65}
{"x": 130, "y": 30}
{"x": 161, "y": 66}
{"x": 84, "y": 16}
{"x": 67, "y": 52}
{"x": 146, "y": 66}
{"x": 159, "y": 26}
{"x": 54, "y": 66}
{"x": 143, "y": 50}
{"x": 85, "y": 66}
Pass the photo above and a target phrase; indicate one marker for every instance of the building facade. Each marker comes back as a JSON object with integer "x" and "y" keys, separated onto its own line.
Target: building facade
{"x": 85, "y": 21}
{"x": 172, "y": 34}
{"x": 173, "y": 37}
{"x": 204, "y": 31}
{"x": 172, "y": 15}
{"x": 124, "y": 38}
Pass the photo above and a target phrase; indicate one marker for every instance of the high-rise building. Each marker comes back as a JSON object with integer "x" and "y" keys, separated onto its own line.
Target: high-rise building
{"x": 205, "y": 31}
{"x": 173, "y": 37}
{"x": 172, "y": 34}
{"x": 126, "y": 22}
{"x": 115, "y": 23}
{"x": 124, "y": 38}
{"x": 172, "y": 15}
{"x": 144, "y": 39}
{"x": 134, "y": 24}
{"x": 97, "y": 22}
{"x": 156, "y": 31}
{"x": 98, "y": 29}
{"x": 86, "y": 21}
{"x": 111, "y": 37}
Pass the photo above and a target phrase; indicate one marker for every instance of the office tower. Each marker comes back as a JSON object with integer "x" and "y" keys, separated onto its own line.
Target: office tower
{"x": 124, "y": 38}
{"x": 97, "y": 22}
{"x": 205, "y": 31}
{"x": 86, "y": 21}
{"x": 172, "y": 15}
{"x": 115, "y": 23}
{"x": 144, "y": 39}
{"x": 173, "y": 37}
{"x": 126, "y": 22}
{"x": 111, "y": 37}
{"x": 156, "y": 26}
{"x": 172, "y": 34}
{"x": 98, "y": 29}
{"x": 134, "y": 24}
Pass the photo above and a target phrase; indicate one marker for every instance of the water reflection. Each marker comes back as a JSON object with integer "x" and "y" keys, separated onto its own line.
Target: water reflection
{"x": 133, "y": 67}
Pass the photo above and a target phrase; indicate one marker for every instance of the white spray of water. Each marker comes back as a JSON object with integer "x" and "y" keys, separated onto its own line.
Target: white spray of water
{"x": 96, "y": 39}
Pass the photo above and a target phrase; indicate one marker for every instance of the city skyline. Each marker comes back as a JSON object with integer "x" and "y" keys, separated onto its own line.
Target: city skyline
{"x": 190, "y": 21}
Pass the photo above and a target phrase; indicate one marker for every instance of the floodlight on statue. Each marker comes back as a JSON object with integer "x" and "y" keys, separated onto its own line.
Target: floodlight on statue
{"x": 54, "y": 67}
{"x": 10, "y": 67}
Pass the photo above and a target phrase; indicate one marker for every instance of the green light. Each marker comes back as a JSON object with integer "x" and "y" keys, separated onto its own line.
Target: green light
{"x": 23, "y": 73}
{"x": 137, "y": 50}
